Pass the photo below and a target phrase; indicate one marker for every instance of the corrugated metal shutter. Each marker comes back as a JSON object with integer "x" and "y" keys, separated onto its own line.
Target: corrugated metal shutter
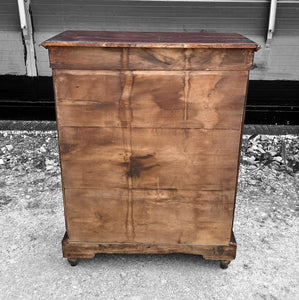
{"x": 283, "y": 61}
{"x": 248, "y": 18}
{"x": 53, "y": 17}
{"x": 11, "y": 46}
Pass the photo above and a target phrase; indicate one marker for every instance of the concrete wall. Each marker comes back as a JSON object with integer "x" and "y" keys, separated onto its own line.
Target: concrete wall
{"x": 281, "y": 62}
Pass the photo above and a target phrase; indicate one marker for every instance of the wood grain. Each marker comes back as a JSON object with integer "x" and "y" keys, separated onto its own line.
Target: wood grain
{"x": 96, "y": 215}
{"x": 92, "y": 143}
{"x": 112, "y": 39}
{"x": 206, "y": 173}
{"x": 80, "y": 58}
{"x": 189, "y": 99}
{"x": 158, "y": 158}
{"x": 149, "y": 133}
{"x": 94, "y": 174}
{"x": 203, "y": 99}
{"x": 184, "y": 159}
{"x": 85, "y": 58}
{"x": 183, "y": 217}
{"x": 88, "y": 250}
{"x": 159, "y": 216}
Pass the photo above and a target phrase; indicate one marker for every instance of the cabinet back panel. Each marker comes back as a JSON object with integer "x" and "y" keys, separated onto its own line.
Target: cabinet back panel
{"x": 151, "y": 99}
{"x": 149, "y": 216}
{"x": 87, "y": 58}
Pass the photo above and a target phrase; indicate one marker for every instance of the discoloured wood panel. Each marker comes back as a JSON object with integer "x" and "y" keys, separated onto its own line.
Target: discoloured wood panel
{"x": 189, "y": 100}
{"x": 93, "y": 157}
{"x": 157, "y": 59}
{"x": 220, "y": 59}
{"x": 80, "y": 58}
{"x": 94, "y": 174}
{"x": 87, "y": 98}
{"x": 189, "y": 59}
{"x": 156, "y": 99}
{"x": 91, "y": 143}
{"x": 87, "y": 113}
{"x": 95, "y": 86}
{"x": 182, "y": 217}
{"x": 157, "y": 158}
{"x": 159, "y": 216}
{"x": 85, "y": 58}
{"x": 96, "y": 215}
{"x": 184, "y": 159}
{"x": 206, "y": 172}
{"x": 150, "y": 140}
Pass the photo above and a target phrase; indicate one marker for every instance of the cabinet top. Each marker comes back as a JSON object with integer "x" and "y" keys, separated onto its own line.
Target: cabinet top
{"x": 150, "y": 40}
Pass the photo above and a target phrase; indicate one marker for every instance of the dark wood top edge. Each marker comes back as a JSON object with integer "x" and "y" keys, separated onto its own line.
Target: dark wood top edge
{"x": 117, "y": 39}
{"x": 146, "y": 45}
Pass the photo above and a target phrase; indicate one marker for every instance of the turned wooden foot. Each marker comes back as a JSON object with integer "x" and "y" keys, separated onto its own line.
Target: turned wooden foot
{"x": 73, "y": 261}
{"x": 224, "y": 264}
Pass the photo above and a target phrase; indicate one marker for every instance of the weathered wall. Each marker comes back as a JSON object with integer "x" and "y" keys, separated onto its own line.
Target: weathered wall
{"x": 281, "y": 62}
{"x": 11, "y": 45}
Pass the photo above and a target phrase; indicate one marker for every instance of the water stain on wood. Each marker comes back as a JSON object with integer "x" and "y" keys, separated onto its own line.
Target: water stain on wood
{"x": 139, "y": 164}
{"x": 156, "y": 58}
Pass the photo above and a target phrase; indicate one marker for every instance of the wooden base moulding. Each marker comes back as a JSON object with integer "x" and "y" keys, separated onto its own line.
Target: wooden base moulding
{"x": 74, "y": 250}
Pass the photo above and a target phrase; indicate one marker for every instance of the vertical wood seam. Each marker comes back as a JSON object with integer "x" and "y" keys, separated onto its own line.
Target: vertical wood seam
{"x": 187, "y": 56}
{"x": 126, "y": 117}
{"x": 186, "y": 94}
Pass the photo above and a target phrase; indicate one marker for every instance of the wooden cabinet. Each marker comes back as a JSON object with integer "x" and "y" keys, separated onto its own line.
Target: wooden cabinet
{"x": 149, "y": 136}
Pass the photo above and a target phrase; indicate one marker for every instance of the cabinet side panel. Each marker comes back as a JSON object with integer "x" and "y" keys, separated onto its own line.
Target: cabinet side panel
{"x": 58, "y": 120}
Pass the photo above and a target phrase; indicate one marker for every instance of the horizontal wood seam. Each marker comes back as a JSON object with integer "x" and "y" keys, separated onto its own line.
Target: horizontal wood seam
{"x": 147, "y": 71}
{"x": 149, "y": 189}
{"x": 174, "y": 128}
{"x": 154, "y": 244}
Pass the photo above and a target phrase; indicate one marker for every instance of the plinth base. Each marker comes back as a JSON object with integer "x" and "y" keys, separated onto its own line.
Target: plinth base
{"x": 74, "y": 250}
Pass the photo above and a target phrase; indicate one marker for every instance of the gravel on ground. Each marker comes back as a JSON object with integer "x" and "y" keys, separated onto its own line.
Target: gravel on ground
{"x": 32, "y": 226}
